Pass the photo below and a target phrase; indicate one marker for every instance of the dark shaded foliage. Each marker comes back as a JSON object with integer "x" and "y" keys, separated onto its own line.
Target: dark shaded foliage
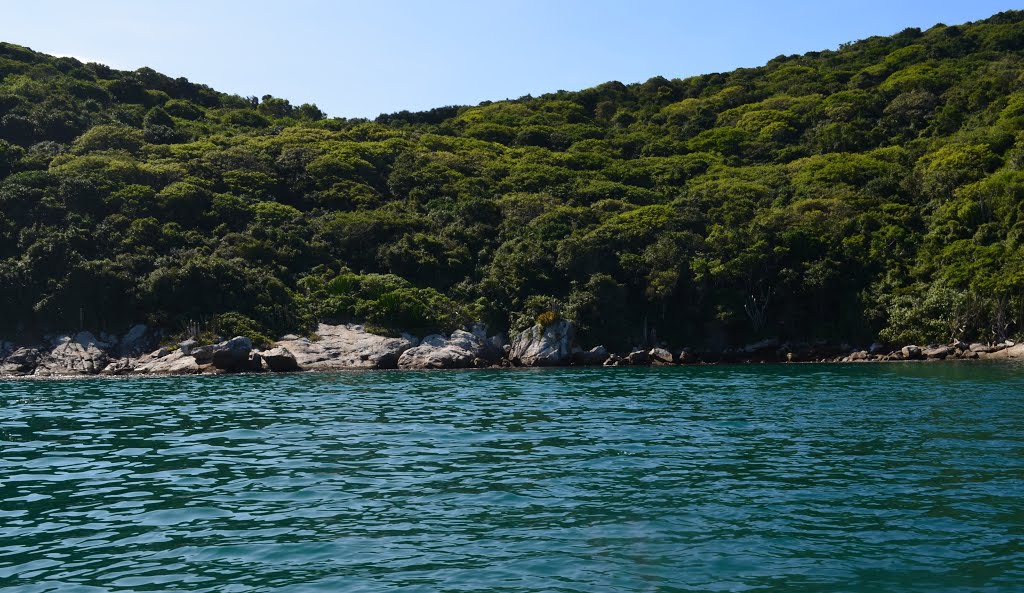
{"x": 877, "y": 190}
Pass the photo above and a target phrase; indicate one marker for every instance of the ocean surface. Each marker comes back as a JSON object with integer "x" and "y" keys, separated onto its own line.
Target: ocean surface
{"x": 795, "y": 478}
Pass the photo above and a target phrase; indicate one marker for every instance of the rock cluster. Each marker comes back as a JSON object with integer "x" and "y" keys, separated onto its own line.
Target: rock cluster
{"x": 346, "y": 347}
{"x": 956, "y": 350}
{"x": 544, "y": 346}
{"x": 280, "y": 360}
{"x": 236, "y": 355}
{"x": 337, "y": 347}
{"x": 461, "y": 350}
{"x": 81, "y": 354}
{"x": 163, "y": 363}
{"x": 596, "y": 356}
{"x": 20, "y": 362}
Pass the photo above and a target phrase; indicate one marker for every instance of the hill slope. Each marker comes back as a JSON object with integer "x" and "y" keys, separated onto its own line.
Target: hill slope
{"x": 874, "y": 190}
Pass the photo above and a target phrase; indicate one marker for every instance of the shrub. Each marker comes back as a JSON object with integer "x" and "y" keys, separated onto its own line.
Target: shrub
{"x": 547, "y": 318}
{"x": 229, "y": 325}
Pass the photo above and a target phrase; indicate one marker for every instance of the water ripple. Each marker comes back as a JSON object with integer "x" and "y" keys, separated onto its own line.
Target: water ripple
{"x": 776, "y": 478}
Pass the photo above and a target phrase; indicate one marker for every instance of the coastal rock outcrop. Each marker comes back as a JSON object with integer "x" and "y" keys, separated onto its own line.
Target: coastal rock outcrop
{"x": 119, "y": 366}
{"x": 347, "y": 347}
{"x": 938, "y": 352}
{"x": 660, "y": 356}
{"x": 21, "y": 362}
{"x": 912, "y": 352}
{"x": 762, "y": 346}
{"x": 1008, "y": 351}
{"x": 137, "y": 342}
{"x": 175, "y": 363}
{"x": 687, "y": 356}
{"x": 280, "y": 360}
{"x": 462, "y": 350}
{"x": 596, "y": 356}
{"x": 544, "y": 346}
{"x": 81, "y": 354}
{"x": 235, "y": 356}
{"x": 638, "y": 358}
{"x": 202, "y": 354}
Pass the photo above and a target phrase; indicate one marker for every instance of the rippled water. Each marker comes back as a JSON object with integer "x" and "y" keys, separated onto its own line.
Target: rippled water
{"x": 756, "y": 478}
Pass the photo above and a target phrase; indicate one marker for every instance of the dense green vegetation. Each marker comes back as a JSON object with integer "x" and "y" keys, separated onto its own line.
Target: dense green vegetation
{"x": 874, "y": 191}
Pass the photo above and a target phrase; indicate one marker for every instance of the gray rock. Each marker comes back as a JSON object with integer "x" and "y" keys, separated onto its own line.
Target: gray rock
{"x": 661, "y": 356}
{"x": 544, "y": 346}
{"x": 347, "y": 347}
{"x": 175, "y": 363}
{"x": 81, "y": 354}
{"x": 499, "y": 343}
{"x": 120, "y": 366}
{"x": 980, "y": 348}
{"x": 859, "y": 355}
{"x": 960, "y": 345}
{"x": 202, "y": 354}
{"x": 233, "y": 355}
{"x": 462, "y": 350}
{"x": 22, "y": 361}
{"x": 614, "y": 360}
{"x": 433, "y": 352}
{"x": 478, "y": 329}
{"x": 280, "y": 360}
{"x": 137, "y": 341}
{"x": 912, "y": 352}
{"x": 254, "y": 364}
{"x": 688, "y": 357}
{"x": 188, "y": 345}
{"x": 596, "y": 356}
{"x": 638, "y": 358}
{"x": 938, "y": 352}
{"x": 762, "y": 345}
{"x": 1015, "y": 351}
{"x": 493, "y": 346}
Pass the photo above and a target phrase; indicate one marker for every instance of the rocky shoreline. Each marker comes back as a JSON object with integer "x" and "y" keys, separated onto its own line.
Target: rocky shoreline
{"x": 349, "y": 347}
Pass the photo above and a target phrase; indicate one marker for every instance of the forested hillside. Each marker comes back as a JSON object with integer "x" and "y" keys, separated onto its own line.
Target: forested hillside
{"x": 874, "y": 192}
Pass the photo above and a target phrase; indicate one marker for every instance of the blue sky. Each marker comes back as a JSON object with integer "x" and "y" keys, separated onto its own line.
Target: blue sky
{"x": 359, "y": 59}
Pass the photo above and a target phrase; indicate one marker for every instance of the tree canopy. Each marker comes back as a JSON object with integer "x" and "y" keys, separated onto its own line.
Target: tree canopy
{"x": 872, "y": 192}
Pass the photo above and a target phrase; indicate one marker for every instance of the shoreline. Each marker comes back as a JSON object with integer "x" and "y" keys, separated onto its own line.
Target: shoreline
{"x": 345, "y": 348}
{"x": 6, "y": 378}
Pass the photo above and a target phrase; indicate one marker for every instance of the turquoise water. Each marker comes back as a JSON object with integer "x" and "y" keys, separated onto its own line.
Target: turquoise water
{"x": 797, "y": 478}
